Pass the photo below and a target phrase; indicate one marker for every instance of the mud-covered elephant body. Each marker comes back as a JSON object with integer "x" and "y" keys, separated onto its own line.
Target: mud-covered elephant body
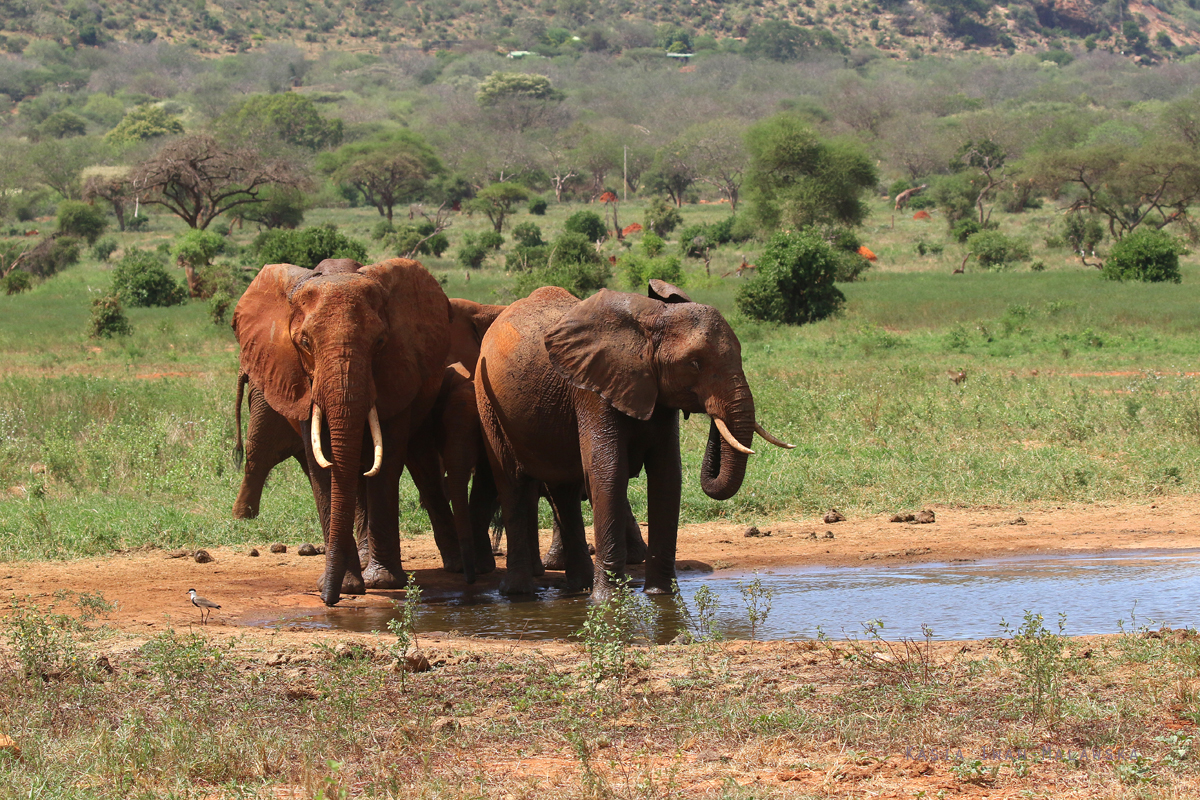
{"x": 580, "y": 394}
{"x": 352, "y": 357}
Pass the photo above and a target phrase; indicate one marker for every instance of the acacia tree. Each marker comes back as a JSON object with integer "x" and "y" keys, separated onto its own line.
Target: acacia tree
{"x": 989, "y": 158}
{"x": 111, "y": 184}
{"x": 390, "y": 169}
{"x": 797, "y": 179}
{"x": 717, "y": 152}
{"x": 198, "y": 179}
{"x": 497, "y": 201}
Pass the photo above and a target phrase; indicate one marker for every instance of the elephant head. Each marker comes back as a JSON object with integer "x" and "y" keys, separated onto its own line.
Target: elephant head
{"x": 638, "y": 352}
{"x": 350, "y": 345}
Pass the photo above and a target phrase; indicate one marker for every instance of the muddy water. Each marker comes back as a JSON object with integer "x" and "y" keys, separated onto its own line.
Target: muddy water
{"x": 962, "y": 600}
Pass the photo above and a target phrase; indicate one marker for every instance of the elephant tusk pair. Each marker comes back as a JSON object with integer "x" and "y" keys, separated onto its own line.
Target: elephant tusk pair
{"x": 376, "y": 438}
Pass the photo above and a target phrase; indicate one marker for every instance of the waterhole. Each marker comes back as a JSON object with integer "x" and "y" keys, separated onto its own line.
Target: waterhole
{"x": 956, "y": 600}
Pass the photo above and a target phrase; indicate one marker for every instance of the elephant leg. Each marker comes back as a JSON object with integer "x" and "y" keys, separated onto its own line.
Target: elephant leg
{"x": 608, "y": 486}
{"x": 425, "y": 467}
{"x": 556, "y": 556}
{"x": 635, "y": 545}
{"x": 484, "y": 504}
{"x": 362, "y": 534}
{"x": 385, "y": 569}
{"x": 663, "y": 491}
{"x": 519, "y": 500}
{"x": 568, "y": 519}
{"x": 270, "y": 440}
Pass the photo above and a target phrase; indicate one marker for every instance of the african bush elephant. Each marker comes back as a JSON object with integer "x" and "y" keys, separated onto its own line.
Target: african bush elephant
{"x": 586, "y": 393}
{"x": 270, "y": 440}
{"x": 362, "y": 348}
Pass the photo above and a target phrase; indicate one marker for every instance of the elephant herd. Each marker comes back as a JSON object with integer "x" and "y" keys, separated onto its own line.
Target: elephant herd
{"x": 360, "y": 371}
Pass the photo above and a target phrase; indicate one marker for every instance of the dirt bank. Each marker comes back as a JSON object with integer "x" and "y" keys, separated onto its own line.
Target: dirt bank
{"x": 151, "y": 586}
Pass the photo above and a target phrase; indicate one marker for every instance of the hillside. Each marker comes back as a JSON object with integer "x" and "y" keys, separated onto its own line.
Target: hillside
{"x": 1149, "y": 31}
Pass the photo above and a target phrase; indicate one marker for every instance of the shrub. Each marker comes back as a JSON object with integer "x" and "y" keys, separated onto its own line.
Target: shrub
{"x": 51, "y": 255}
{"x": 418, "y": 239}
{"x": 731, "y": 229}
{"x": 694, "y": 240}
{"x": 491, "y": 240}
{"x": 224, "y": 278}
{"x": 1145, "y": 255}
{"x": 661, "y": 217}
{"x": 17, "y": 281}
{"x": 571, "y": 262}
{"x": 795, "y": 280}
{"x": 995, "y": 249}
{"x": 964, "y": 229}
{"x": 138, "y": 222}
{"x": 652, "y": 244}
{"x": 104, "y": 248}
{"x": 80, "y": 219}
{"x": 471, "y": 253}
{"x": 587, "y": 223}
{"x": 639, "y": 270}
{"x": 141, "y": 277}
{"x": 527, "y": 234}
{"x": 218, "y": 307}
{"x": 538, "y": 206}
{"x": 307, "y": 247}
{"x": 1082, "y": 232}
{"x": 108, "y": 318}
{"x": 382, "y": 230}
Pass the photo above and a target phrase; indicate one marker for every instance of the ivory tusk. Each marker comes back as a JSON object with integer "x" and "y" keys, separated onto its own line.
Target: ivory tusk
{"x": 728, "y": 437}
{"x": 777, "y": 442}
{"x": 316, "y": 438}
{"x": 377, "y": 438}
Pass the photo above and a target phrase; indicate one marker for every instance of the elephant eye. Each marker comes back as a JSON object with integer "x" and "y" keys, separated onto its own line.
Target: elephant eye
{"x": 380, "y": 342}
{"x": 696, "y": 366}
{"x": 305, "y": 344}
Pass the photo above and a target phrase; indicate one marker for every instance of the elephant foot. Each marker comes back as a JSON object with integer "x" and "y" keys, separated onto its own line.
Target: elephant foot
{"x": 555, "y": 559}
{"x": 538, "y": 568}
{"x": 579, "y": 583}
{"x": 452, "y": 562}
{"x": 517, "y": 584}
{"x": 352, "y": 584}
{"x": 484, "y": 563}
{"x": 657, "y": 589}
{"x": 377, "y": 576}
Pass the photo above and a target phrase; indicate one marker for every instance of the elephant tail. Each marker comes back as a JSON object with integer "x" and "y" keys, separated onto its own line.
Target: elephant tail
{"x": 239, "y": 451}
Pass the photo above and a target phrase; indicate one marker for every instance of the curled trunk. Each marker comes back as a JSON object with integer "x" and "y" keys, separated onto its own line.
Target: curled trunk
{"x": 724, "y": 467}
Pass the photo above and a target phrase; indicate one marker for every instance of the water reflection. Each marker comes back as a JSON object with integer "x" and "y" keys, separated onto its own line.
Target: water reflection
{"x": 957, "y": 600}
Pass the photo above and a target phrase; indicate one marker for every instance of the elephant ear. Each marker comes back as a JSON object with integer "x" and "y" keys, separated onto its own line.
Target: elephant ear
{"x": 668, "y": 293}
{"x": 262, "y": 322}
{"x": 600, "y": 345}
{"x": 418, "y": 315}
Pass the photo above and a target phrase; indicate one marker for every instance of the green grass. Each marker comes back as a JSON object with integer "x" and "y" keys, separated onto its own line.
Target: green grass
{"x": 1077, "y": 390}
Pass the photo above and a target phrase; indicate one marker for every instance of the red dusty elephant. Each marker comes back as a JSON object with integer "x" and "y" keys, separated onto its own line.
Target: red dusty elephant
{"x": 353, "y": 357}
{"x": 581, "y": 394}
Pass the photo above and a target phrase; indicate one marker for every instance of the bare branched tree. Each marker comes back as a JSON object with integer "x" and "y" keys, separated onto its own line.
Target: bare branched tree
{"x": 198, "y": 179}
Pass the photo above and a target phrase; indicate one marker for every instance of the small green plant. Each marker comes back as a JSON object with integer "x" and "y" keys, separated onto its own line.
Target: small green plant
{"x": 42, "y": 641}
{"x": 471, "y": 253}
{"x": 661, "y": 217}
{"x": 611, "y": 627}
{"x": 1180, "y": 748}
{"x": 1037, "y": 653}
{"x": 538, "y": 206}
{"x": 974, "y": 771}
{"x": 141, "y": 278}
{"x": 639, "y": 270}
{"x": 652, "y": 244}
{"x": 108, "y": 318}
{"x": 1139, "y": 770}
{"x": 104, "y": 248}
{"x": 1145, "y": 255}
{"x": 17, "y": 281}
{"x": 757, "y": 597}
{"x": 404, "y": 625}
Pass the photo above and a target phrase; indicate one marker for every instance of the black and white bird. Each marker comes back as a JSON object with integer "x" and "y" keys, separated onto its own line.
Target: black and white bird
{"x": 205, "y": 606}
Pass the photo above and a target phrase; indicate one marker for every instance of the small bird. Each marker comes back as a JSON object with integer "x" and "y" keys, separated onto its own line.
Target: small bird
{"x": 205, "y": 606}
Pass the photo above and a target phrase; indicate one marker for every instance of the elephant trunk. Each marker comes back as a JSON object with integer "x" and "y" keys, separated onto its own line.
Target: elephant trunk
{"x": 724, "y": 465}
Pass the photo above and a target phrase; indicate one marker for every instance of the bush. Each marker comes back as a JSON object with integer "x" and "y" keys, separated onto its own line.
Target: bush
{"x": 527, "y": 234}
{"x": 382, "y": 230}
{"x": 80, "y": 219}
{"x": 51, "y": 255}
{"x": 731, "y": 229}
{"x": 652, "y": 244}
{"x": 407, "y": 239}
{"x": 639, "y": 270}
{"x": 694, "y": 240}
{"x": 141, "y": 277}
{"x": 538, "y": 206}
{"x": 1082, "y": 232}
{"x": 587, "y": 223}
{"x": 995, "y": 249}
{"x": 104, "y": 248}
{"x": 16, "y": 282}
{"x": 218, "y": 307}
{"x": 471, "y": 253}
{"x": 224, "y": 278}
{"x": 108, "y": 318}
{"x": 571, "y": 262}
{"x": 307, "y": 247}
{"x": 795, "y": 279}
{"x": 138, "y": 222}
{"x": 964, "y": 229}
{"x": 661, "y": 217}
{"x": 491, "y": 240}
{"x": 1145, "y": 255}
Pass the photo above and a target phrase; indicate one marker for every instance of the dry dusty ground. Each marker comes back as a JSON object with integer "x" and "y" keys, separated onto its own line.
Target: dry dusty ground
{"x": 149, "y": 588}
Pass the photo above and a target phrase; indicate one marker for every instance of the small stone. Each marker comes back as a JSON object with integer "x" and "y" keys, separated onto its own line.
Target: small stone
{"x": 320, "y": 549}
{"x": 202, "y": 557}
{"x": 828, "y": 534}
{"x": 307, "y": 550}
{"x": 253, "y": 552}
{"x": 811, "y": 535}
{"x": 832, "y": 516}
{"x": 924, "y": 517}
{"x": 752, "y": 532}
{"x": 415, "y": 660}
{"x": 902, "y": 517}
{"x": 1019, "y": 521}
{"x": 279, "y": 547}
{"x": 7, "y": 745}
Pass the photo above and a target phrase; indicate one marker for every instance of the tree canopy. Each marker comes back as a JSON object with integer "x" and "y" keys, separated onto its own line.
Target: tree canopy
{"x": 388, "y": 169}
